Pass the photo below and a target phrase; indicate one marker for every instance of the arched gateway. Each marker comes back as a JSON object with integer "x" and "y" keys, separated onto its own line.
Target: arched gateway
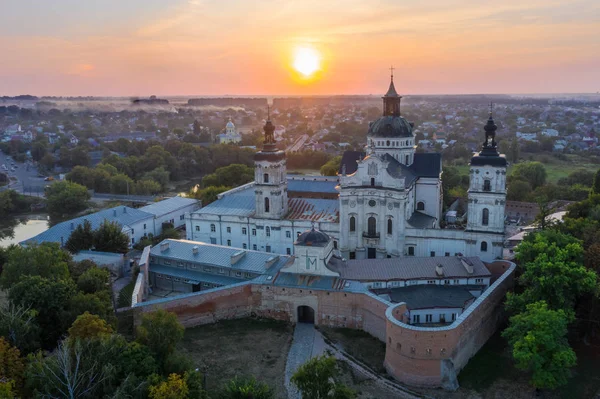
{"x": 306, "y": 314}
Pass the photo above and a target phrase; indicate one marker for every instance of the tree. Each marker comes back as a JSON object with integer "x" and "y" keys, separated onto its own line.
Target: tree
{"x": 66, "y": 198}
{"x": 19, "y": 326}
{"x": 580, "y": 176}
{"x": 539, "y": 344}
{"x": 233, "y": 175}
{"x": 89, "y": 326}
{"x": 94, "y": 280}
{"x": 174, "y": 388}
{"x": 533, "y": 172}
{"x": 97, "y": 303}
{"x": 48, "y": 161}
{"x": 209, "y": 194}
{"x": 109, "y": 237}
{"x": 518, "y": 190}
{"x": 332, "y": 167}
{"x": 45, "y": 260}
{"x": 596, "y": 186}
{"x": 121, "y": 184}
{"x": 82, "y": 238}
{"x": 315, "y": 379}
{"x": 137, "y": 359}
{"x": 49, "y": 298}
{"x": 246, "y": 388}
{"x": 556, "y": 274}
{"x": 12, "y": 366}
{"x": 160, "y": 331}
{"x": 76, "y": 269}
{"x": 38, "y": 150}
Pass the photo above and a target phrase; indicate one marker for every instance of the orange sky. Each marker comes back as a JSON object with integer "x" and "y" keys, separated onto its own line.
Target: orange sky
{"x": 196, "y": 47}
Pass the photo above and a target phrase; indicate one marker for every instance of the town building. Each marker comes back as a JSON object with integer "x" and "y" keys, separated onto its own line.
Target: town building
{"x": 385, "y": 203}
{"x": 231, "y": 136}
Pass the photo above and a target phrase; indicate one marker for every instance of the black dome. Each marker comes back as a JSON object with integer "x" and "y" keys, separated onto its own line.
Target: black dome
{"x": 313, "y": 238}
{"x": 390, "y": 127}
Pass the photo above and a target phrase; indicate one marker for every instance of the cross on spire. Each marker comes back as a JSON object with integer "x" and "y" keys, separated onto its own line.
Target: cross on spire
{"x": 268, "y": 112}
{"x": 392, "y": 71}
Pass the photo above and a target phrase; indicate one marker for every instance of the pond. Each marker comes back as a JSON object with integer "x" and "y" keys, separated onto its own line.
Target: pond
{"x": 16, "y": 230}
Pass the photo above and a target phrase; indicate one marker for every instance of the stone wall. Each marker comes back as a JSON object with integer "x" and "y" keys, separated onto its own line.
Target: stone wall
{"x": 433, "y": 356}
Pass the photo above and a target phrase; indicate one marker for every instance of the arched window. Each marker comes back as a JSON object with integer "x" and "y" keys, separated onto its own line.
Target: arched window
{"x": 372, "y": 226}
{"x": 267, "y": 205}
{"x": 389, "y": 227}
{"x": 268, "y": 232}
{"x": 485, "y": 217}
{"x": 420, "y": 206}
{"x": 352, "y": 223}
{"x": 487, "y": 185}
{"x": 483, "y": 246}
{"x": 406, "y": 159}
{"x": 266, "y": 177}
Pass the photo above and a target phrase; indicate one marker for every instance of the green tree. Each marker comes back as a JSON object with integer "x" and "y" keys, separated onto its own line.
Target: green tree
{"x": 97, "y": 303}
{"x": 66, "y": 198}
{"x": 38, "y": 150}
{"x": 76, "y": 269}
{"x": 94, "y": 280}
{"x": 332, "y": 167}
{"x": 82, "y": 238}
{"x": 532, "y": 172}
{"x": 50, "y": 299}
{"x": 208, "y": 194}
{"x": 518, "y": 190}
{"x": 48, "y": 161}
{"x": 121, "y": 184}
{"x": 109, "y": 237}
{"x": 147, "y": 187}
{"x": 159, "y": 175}
{"x": 247, "y": 388}
{"x": 233, "y": 175}
{"x": 316, "y": 379}
{"x": 160, "y": 331}
{"x": 137, "y": 359}
{"x": 553, "y": 272}
{"x": 19, "y": 326}
{"x": 45, "y": 260}
{"x": 174, "y": 388}
{"x": 539, "y": 344}
{"x": 596, "y": 186}
{"x": 89, "y": 326}
{"x": 12, "y": 366}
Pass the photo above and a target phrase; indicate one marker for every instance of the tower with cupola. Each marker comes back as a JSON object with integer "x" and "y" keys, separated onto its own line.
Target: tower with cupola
{"x": 270, "y": 177}
{"x": 487, "y": 185}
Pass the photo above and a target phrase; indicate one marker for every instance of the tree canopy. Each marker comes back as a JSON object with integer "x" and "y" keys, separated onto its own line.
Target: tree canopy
{"x": 66, "y": 198}
{"x": 532, "y": 172}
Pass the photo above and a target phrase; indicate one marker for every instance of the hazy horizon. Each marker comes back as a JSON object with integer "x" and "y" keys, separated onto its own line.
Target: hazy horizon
{"x": 180, "y": 48}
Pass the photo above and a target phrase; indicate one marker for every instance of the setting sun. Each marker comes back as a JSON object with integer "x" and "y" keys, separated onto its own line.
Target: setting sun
{"x": 306, "y": 60}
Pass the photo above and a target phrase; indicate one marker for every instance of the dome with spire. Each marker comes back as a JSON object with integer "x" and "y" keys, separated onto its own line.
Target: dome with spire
{"x": 391, "y": 124}
{"x": 230, "y": 124}
{"x": 489, "y": 152}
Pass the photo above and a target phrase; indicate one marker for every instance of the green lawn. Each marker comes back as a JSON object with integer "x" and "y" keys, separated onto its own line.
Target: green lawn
{"x": 359, "y": 344}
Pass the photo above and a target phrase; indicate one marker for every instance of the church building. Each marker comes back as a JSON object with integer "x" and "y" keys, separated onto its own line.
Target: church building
{"x": 231, "y": 136}
{"x": 384, "y": 203}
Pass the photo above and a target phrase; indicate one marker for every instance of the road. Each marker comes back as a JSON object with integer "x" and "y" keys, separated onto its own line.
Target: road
{"x": 26, "y": 175}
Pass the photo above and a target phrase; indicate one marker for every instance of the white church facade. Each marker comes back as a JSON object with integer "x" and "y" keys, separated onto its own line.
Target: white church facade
{"x": 384, "y": 203}
{"x": 231, "y": 136}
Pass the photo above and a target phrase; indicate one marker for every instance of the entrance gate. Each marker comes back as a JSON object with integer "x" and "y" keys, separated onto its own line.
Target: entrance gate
{"x": 306, "y": 314}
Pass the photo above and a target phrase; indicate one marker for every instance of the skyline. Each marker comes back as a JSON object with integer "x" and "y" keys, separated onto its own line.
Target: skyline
{"x": 195, "y": 47}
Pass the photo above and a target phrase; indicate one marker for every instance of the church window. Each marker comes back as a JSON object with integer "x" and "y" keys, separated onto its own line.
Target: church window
{"x": 485, "y": 217}
{"x": 372, "y": 226}
{"x": 352, "y": 223}
{"x": 411, "y": 251}
{"x": 372, "y": 203}
{"x": 228, "y": 243}
{"x": 229, "y": 229}
{"x": 266, "y": 177}
{"x": 420, "y": 206}
{"x": 288, "y": 234}
{"x": 197, "y": 228}
{"x": 406, "y": 159}
{"x": 388, "y": 143}
{"x": 213, "y": 228}
{"x": 483, "y": 246}
{"x": 253, "y": 232}
{"x": 244, "y": 231}
{"x": 389, "y": 227}
{"x": 487, "y": 185}
{"x": 268, "y": 231}
{"x": 372, "y": 181}
{"x": 267, "y": 205}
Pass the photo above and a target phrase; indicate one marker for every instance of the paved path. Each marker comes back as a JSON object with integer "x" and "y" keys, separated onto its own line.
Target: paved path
{"x": 308, "y": 342}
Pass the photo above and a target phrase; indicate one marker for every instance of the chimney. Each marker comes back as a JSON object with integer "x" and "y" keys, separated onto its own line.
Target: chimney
{"x": 114, "y": 212}
{"x": 72, "y": 226}
{"x": 271, "y": 261}
{"x": 235, "y": 258}
{"x": 467, "y": 264}
{"x": 164, "y": 246}
{"x": 124, "y": 209}
{"x": 195, "y": 250}
{"x": 439, "y": 270}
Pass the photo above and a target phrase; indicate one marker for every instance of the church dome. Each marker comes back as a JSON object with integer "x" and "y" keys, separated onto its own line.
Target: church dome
{"x": 313, "y": 238}
{"x": 230, "y": 124}
{"x": 390, "y": 127}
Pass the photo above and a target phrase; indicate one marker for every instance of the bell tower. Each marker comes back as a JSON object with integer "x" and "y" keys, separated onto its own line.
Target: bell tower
{"x": 270, "y": 177}
{"x": 487, "y": 185}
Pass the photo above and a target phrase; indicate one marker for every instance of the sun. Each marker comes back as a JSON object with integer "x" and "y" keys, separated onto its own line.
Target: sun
{"x": 307, "y": 60}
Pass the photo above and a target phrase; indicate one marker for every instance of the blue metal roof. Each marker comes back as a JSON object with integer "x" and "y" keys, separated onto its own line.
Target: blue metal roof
{"x": 241, "y": 203}
{"x": 193, "y": 277}
{"x": 61, "y": 232}
{"x": 314, "y": 185}
{"x": 217, "y": 255}
{"x": 310, "y": 282}
{"x": 169, "y": 205}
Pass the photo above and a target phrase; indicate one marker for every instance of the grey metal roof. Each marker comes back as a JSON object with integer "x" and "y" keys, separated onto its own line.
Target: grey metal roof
{"x": 61, "y": 232}
{"x": 98, "y": 257}
{"x": 315, "y": 185}
{"x": 194, "y": 277}
{"x": 399, "y": 170}
{"x": 169, "y": 205}
{"x": 349, "y": 161}
{"x": 241, "y": 203}
{"x": 389, "y": 126}
{"x": 406, "y": 268}
{"x": 420, "y": 220}
{"x": 427, "y": 164}
{"x": 293, "y": 280}
{"x": 217, "y": 255}
{"x": 431, "y": 296}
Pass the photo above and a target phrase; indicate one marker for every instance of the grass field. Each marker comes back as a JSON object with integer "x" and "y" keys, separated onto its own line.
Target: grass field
{"x": 241, "y": 348}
